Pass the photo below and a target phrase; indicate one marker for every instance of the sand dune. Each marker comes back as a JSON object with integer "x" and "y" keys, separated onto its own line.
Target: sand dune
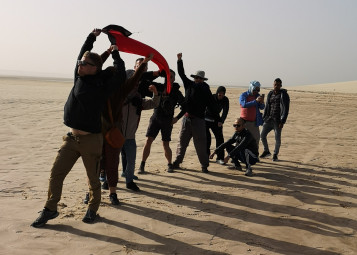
{"x": 303, "y": 204}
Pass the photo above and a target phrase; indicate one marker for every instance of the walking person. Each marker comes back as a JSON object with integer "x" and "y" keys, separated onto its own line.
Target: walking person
{"x": 198, "y": 96}
{"x": 275, "y": 115}
{"x": 222, "y": 103}
{"x": 82, "y": 114}
{"x": 251, "y": 102}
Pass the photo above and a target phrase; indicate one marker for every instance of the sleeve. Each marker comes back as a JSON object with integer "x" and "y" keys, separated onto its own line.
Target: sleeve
{"x": 243, "y": 101}
{"x": 151, "y": 103}
{"x": 180, "y": 100}
{"x": 87, "y": 46}
{"x": 225, "y": 109}
{"x": 286, "y": 100}
{"x": 114, "y": 76}
{"x": 225, "y": 144}
{"x": 242, "y": 145}
{"x": 181, "y": 71}
{"x": 212, "y": 105}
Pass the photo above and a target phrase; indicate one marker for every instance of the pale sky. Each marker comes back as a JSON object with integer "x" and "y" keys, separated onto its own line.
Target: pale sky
{"x": 233, "y": 41}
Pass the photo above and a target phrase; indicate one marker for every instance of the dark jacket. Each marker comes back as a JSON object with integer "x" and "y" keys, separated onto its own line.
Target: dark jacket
{"x": 166, "y": 108}
{"x": 89, "y": 94}
{"x": 284, "y": 106}
{"x": 222, "y": 105}
{"x": 198, "y": 96}
{"x": 244, "y": 140}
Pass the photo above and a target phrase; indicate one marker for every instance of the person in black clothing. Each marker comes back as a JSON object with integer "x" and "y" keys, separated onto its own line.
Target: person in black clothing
{"x": 222, "y": 103}
{"x": 82, "y": 114}
{"x": 163, "y": 120}
{"x": 245, "y": 150}
{"x": 198, "y": 96}
{"x": 275, "y": 115}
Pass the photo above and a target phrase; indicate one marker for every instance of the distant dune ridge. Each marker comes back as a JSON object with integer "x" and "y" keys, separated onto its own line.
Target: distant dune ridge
{"x": 306, "y": 203}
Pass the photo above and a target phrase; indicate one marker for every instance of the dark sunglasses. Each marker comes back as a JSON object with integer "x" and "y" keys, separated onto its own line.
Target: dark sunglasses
{"x": 257, "y": 89}
{"x": 84, "y": 63}
{"x": 237, "y": 125}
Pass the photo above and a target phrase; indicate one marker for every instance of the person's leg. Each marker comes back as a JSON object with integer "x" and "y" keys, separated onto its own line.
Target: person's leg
{"x": 111, "y": 165}
{"x": 184, "y": 139}
{"x": 91, "y": 152}
{"x": 267, "y": 127}
{"x": 130, "y": 148}
{"x": 208, "y": 137}
{"x": 277, "y": 131}
{"x": 199, "y": 140}
{"x": 218, "y": 133}
{"x": 123, "y": 160}
{"x": 254, "y": 130}
{"x": 66, "y": 158}
{"x": 146, "y": 153}
{"x": 167, "y": 150}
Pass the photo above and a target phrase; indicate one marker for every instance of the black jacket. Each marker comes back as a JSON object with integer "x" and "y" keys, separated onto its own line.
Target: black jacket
{"x": 198, "y": 96}
{"x": 89, "y": 94}
{"x": 244, "y": 140}
{"x": 222, "y": 104}
{"x": 284, "y": 106}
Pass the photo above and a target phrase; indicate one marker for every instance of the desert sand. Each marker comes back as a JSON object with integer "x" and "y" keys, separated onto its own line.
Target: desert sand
{"x": 306, "y": 203}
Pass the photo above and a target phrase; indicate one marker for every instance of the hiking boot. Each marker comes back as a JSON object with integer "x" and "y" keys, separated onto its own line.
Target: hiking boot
{"x": 132, "y": 186}
{"x": 265, "y": 154}
{"x": 114, "y": 199}
{"x": 86, "y": 199}
{"x": 248, "y": 172}
{"x": 45, "y": 216}
{"x": 275, "y": 157}
{"x": 236, "y": 166}
{"x": 90, "y": 216}
{"x": 170, "y": 168}
{"x": 102, "y": 176}
{"x": 205, "y": 170}
{"x": 176, "y": 165}
{"x": 105, "y": 185}
{"x": 220, "y": 161}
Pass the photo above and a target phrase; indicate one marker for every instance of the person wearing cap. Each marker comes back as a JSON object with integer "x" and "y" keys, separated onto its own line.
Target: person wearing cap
{"x": 222, "y": 103}
{"x": 82, "y": 114}
{"x": 275, "y": 115}
{"x": 251, "y": 102}
{"x": 198, "y": 96}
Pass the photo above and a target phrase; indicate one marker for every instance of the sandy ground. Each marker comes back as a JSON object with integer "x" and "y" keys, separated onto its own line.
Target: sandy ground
{"x": 303, "y": 204}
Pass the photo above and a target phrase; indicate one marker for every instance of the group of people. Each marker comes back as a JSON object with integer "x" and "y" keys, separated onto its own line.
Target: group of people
{"x": 101, "y": 99}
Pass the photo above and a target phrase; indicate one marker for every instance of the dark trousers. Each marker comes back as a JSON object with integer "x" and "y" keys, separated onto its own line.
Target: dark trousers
{"x": 218, "y": 134}
{"x": 110, "y": 163}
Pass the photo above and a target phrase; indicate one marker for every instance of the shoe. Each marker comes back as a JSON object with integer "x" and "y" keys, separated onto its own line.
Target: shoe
{"x": 135, "y": 177}
{"x": 86, "y": 199}
{"x": 105, "y": 185}
{"x": 114, "y": 199}
{"x": 176, "y": 165}
{"x": 275, "y": 157}
{"x": 249, "y": 172}
{"x": 102, "y": 176}
{"x": 90, "y": 216}
{"x": 236, "y": 166}
{"x": 220, "y": 161}
{"x": 170, "y": 168}
{"x": 123, "y": 174}
{"x": 132, "y": 186}
{"x": 265, "y": 154}
{"x": 45, "y": 216}
{"x": 205, "y": 170}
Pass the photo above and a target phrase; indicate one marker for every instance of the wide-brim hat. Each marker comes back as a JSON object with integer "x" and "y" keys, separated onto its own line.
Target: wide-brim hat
{"x": 199, "y": 74}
